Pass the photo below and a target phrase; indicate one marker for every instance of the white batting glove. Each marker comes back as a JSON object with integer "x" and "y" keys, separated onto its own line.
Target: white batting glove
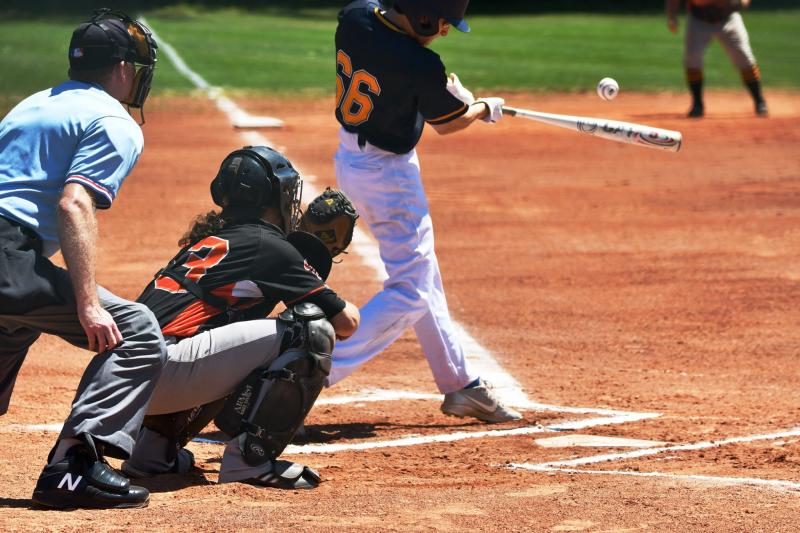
{"x": 495, "y": 106}
{"x": 455, "y": 88}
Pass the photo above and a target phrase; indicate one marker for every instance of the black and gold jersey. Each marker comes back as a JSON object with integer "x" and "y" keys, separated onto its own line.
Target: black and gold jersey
{"x": 387, "y": 84}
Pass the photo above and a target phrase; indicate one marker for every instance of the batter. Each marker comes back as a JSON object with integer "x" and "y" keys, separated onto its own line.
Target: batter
{"x": 389, "y": 85}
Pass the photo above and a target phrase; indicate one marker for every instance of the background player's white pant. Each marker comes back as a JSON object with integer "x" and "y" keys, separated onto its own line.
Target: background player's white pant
{"x": 387, "y": 190}
{"x": 731, "y": 33}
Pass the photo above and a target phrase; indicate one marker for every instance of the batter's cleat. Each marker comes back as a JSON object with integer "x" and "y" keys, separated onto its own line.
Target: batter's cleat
{"x": 761, "y": 109}
{"x": 183, "y": 464}
{"x": 478, "y": 402}
{"x": 697, "y": 110}
{"x": 83, "y": 480}
{"x": 287, "y": 475}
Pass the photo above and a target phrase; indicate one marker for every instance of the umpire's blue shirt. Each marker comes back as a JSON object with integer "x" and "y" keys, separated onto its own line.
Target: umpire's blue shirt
{"x": 73, "y": 133}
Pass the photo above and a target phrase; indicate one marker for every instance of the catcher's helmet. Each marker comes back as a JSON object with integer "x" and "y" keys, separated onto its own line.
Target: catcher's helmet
{"x": 424, "y": 15}
{"x": 254, "y": 178}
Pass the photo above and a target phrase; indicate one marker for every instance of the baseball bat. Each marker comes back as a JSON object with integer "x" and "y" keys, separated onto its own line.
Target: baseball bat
{"x": 623, "y": 132}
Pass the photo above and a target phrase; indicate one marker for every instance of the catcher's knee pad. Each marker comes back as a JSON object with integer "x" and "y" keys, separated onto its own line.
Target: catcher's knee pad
{"x": 270, "y": 405}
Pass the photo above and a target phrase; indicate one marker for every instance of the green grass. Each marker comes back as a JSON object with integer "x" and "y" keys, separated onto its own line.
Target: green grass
{"x": 271, "y": 52}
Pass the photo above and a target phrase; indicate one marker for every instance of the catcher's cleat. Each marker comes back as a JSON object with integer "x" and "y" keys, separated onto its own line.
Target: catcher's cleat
{"x": 697, "y": 110}
{"x": 83, "y": 480}
{"x": 287, "y": 475}
{"x": 761, "y": 109}
{"x": 478, "y": 402}
{"x": 183, "y": 464}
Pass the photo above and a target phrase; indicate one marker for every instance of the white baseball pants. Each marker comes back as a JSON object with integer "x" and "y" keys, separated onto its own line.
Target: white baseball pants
{"x": 387, "y": 190}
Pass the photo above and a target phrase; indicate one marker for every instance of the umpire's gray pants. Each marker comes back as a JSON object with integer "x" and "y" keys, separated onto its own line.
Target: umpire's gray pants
{"x": 114, "y": 391}
{"x": 732, "y": 35}
{"x": 202, "y": 369}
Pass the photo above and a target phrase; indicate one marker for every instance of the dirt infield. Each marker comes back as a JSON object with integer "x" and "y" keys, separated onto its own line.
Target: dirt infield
{"x": 618, "y": 281}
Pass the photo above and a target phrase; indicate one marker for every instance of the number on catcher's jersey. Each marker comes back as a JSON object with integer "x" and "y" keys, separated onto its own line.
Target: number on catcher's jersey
{"x": 197, "y": 265}
{"x": 355, "y": 105}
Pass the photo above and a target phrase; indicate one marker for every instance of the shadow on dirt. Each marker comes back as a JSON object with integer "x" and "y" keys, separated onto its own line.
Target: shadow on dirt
{"x": 17, "y": 503}
{"x": 174, "y": 482}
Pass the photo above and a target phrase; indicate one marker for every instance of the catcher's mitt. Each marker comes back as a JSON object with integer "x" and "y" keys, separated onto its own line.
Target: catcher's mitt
{"x": 331, "y": 217}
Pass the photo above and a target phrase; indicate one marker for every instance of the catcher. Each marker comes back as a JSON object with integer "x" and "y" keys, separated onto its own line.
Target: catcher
{"x": 258, "y": 376}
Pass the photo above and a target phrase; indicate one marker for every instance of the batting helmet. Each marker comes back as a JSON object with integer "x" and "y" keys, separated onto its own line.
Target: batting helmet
{"x": 424, "y": 15}
{"x": 254, "y": 178}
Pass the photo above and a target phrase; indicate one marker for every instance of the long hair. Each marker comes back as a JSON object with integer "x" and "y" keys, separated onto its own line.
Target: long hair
{"x": 202, "y": 227}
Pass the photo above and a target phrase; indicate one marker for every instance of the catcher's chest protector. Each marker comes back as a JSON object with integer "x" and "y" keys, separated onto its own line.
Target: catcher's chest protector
{"x": 271, "y": 404}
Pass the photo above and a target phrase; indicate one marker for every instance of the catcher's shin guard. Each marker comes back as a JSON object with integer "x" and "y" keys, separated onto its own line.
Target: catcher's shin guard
{"x": 182, "y": 426}
{"x": 271, "y": 404}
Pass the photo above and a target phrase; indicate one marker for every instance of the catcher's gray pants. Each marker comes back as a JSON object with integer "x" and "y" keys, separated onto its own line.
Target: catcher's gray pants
{"x": 36, "y": 297}
{"x": 731, "y": 33}
{"x": 202, "y": 369}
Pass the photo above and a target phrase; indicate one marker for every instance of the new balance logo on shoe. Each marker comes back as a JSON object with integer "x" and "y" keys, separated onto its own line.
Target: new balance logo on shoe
{"x": 71, "y": 484}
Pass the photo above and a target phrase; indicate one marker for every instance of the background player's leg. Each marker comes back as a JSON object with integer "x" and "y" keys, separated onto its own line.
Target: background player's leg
{"x": 698, "y": 36}
{"x": 736, "y": 41}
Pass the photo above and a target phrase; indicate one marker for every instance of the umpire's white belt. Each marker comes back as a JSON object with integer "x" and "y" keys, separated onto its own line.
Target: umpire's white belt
{"x": 350, "y": 142}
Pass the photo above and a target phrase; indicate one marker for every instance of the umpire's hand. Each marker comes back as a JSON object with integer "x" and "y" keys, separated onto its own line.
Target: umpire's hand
{"x": 100, "y": 328}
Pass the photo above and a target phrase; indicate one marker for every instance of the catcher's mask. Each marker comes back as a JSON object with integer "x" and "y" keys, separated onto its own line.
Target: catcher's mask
{"x": 424, "y": 15}
{"x": 110, "y": 37}
{"x": 254, "y": 178}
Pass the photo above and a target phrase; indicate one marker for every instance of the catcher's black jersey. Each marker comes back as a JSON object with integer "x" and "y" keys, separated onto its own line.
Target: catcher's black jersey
{"x": 251, "y": 266}
{"x": 387, "y": 84}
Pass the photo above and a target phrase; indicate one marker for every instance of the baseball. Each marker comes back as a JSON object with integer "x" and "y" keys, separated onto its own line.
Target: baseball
{"x": 607, "y": 88}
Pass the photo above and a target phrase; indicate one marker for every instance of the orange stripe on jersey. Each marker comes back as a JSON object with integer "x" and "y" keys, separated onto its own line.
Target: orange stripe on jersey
{"x": 449, "y": 116}
{"x": 309, "y": 293}
{"x": 198, "y": 312}
{"x": 190, "y": 319}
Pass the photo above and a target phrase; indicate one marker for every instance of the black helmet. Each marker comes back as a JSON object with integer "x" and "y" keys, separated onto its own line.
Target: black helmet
{"x": 424, "y": 15}
{"x": 110, "y": 37}
{"x": 254, "y": 178}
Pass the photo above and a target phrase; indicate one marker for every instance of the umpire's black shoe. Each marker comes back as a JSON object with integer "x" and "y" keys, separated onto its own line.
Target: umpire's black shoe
{"x": 82, "y": 480}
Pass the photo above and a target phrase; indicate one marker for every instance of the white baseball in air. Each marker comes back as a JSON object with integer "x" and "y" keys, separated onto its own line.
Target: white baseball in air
{"x": 607, "y": 88}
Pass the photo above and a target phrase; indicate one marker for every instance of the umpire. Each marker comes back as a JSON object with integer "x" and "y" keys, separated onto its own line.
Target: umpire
{"x": 64, "y": 152}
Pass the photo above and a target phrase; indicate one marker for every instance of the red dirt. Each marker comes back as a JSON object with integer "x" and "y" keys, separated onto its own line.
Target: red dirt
{"x": 598, "y": 274}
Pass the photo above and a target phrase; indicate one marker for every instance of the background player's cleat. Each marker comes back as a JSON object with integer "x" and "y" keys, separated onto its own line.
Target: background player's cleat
{"x": 82, "y": 480}
{"x": 287, "y": 475}
{"x": 478, "y": 402}
{"x": 696, "y": 111}
{"x": 183, "y": 464}
{"x": 761, "y": 109}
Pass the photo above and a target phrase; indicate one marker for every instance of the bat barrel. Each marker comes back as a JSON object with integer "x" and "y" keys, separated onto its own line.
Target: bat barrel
{"x": 624, "y": 132}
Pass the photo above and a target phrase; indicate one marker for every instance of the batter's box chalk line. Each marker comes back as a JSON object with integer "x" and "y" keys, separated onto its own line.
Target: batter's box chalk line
{"x": 568, "y": 466}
